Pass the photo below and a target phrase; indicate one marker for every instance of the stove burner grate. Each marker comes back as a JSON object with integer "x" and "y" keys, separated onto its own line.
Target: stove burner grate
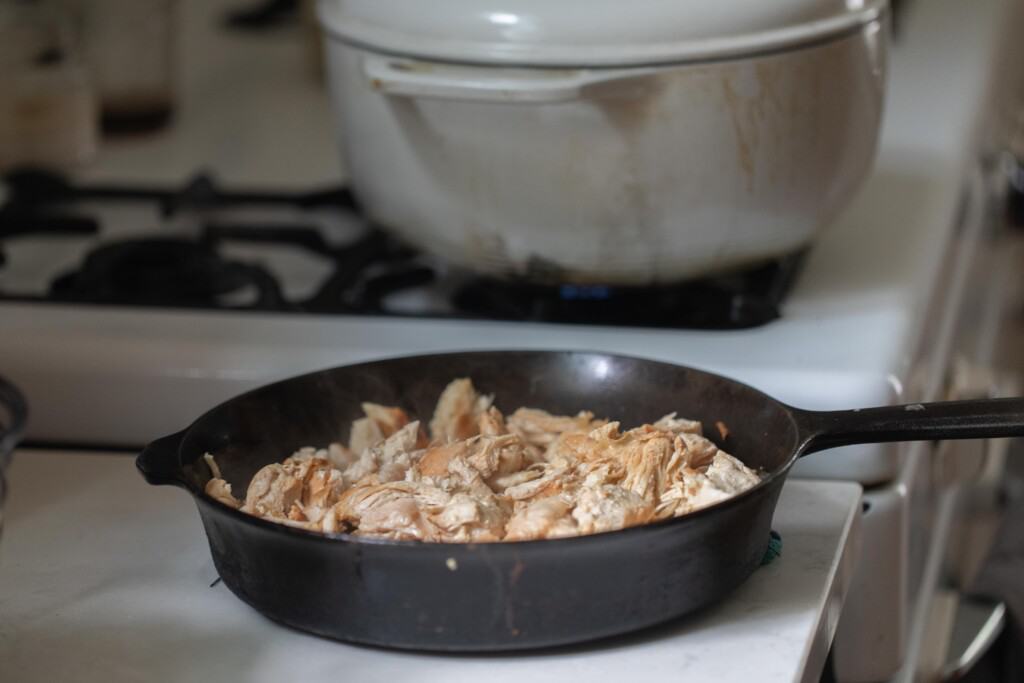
{"x": 166, "y": 272}
{"x": 365, "y": 275}
{"x": 744, "y": 299}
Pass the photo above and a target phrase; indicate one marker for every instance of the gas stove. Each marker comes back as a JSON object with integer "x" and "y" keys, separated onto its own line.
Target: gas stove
{"x": 125, "y": 311}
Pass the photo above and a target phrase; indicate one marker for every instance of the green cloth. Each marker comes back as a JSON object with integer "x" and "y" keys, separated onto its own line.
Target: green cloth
{"x": 774, "y": 548}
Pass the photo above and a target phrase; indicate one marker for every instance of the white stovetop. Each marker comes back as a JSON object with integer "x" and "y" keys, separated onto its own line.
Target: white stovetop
{"x": 104, "y": 578}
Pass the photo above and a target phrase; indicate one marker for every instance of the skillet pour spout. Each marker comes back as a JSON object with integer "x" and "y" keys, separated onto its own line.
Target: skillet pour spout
{"x": 516, "y": 595}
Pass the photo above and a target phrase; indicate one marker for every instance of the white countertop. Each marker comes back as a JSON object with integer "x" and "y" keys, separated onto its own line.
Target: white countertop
{"x": 104, "y": 578}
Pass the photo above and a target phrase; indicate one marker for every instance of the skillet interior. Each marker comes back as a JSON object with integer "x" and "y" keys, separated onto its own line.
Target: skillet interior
{"x": 503, "y": 595}
{"x": 268, "y": 424}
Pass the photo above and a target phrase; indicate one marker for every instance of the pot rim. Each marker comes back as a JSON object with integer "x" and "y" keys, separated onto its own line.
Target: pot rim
{"x": 401, "y": 43}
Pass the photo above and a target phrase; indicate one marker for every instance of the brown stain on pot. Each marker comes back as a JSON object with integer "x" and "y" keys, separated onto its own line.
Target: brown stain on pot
{"x": 631, "y": 106}
{"x": 749, "y": 113}
{"x": 744, "y": 143}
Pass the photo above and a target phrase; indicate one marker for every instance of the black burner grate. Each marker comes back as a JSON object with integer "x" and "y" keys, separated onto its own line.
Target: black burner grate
{"x": 167, "y": 272}
{"x": 744, "y": 299}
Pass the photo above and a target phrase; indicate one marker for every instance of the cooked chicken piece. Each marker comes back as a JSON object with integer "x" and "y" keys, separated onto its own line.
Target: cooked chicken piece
{"x": 397, "y": 519}
{"x": 542, "y": 518}
{"x": 320, "y": 487}
{"x": 540, "y": 428}
{"x": 694, "y": 450}
{"x": 380, "y": 423}
{"x": 494, "y": 456}
{"x": 602, "y": 442}
{"x": 725, "y": 478}
{"x": 553, "y": 480}
{"x": 472, "y": 512}
{"x": 364, "y": 434}
{"x": 650, "y": 464}
{"x": 458, "y": 410}
{"x": 491, "y": 423}
{"x": 597, "y": 472}
{"x": 465, "y": 518}
{"x": 460, "y": 477}
{"x": 218, "y": 489}
{"x": 609, "y": 507}
{"x": 504, "y": 482}
{"x": 303, "y": 455}
{"x": 389, "y": 459}
{"x": 434, "y": 462}
{"x": 272, "y": 492}
{"x": 730, "y": 475}
{"x": 418, "y": 510}
{"x": 330, "y": 524}
{"x": 491, "y": 456}
{"x": 340, "y": 456}
{"x": 652, "y": 457}
{"x": 576, "y": 446}
{"x": 699, "y": 452}
{"x": 212, "y": 464}
{"x": 388, "y": 418}
{"x": 678, "y": 425}
{"x": 387, "y": 510}
{"x": 692, "y": 492}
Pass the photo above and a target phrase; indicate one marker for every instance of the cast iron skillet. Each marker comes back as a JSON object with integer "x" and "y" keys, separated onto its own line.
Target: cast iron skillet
{"x": 508, "y": 596}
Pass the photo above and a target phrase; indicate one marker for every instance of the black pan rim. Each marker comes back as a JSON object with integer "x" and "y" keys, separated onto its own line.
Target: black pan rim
{"x": 352, "y": 539}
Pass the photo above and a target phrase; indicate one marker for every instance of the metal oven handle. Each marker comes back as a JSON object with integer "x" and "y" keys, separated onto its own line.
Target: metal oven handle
{"x": 972, "y": 641}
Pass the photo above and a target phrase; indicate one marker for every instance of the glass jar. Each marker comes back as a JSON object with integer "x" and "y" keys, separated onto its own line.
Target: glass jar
{"x": 47, "y": 107}
{"x": 129, "y": 46}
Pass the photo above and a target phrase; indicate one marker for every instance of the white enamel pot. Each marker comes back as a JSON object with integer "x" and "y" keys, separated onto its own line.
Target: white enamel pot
{"x": 561, "y": 162}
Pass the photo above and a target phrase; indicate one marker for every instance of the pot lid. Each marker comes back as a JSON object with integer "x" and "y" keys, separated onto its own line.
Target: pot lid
{"x": 589, "y": 32}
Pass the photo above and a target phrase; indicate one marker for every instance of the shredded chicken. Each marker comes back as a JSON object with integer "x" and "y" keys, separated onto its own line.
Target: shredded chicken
{"x": 670, "y": 423}
{"x": 541, "y": 429}
{"x": 608, "y": 507}
{"x": 216, "y": 487}
{"x": 458, "y": 412}
{"x": 390, "y": 458}
{"x": 543, "y": 518}
{"x": 482, "y": 477}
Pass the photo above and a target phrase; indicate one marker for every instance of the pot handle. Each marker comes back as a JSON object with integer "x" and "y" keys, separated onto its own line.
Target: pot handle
{"x": 976, "y": 419}
{"x": 415, "y": 78}
{"x": 159, "y": 463}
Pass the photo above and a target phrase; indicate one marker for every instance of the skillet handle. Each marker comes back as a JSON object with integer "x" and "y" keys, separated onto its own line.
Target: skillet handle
{"x": 159, "y": 462}
{"x": 976, "y": 419}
